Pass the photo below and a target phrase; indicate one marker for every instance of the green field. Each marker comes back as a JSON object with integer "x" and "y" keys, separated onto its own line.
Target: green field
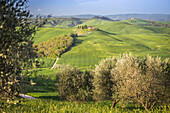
{"x": 64, "y": 22}
{"x": 114, "y": 39}
{"x": 96, "y": 22}
{"x": 44, "y": 34}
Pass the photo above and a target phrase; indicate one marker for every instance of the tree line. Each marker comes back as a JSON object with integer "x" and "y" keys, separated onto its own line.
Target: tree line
{"x": 55, "y": 47}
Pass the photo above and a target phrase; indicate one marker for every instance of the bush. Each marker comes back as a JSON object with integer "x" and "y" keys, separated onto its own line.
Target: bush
{"x": 74, "y": 85}
{"x": 143, "y": 81}
{"x": 102, "y": 79}
{"x": 129, "y": 79}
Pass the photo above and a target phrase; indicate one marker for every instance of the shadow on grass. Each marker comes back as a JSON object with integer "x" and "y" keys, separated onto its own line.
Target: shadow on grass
{"x": 50, "y": 97}
{"x": 106, "y": 32}
{"x": 133, "y": 107}
{"x": 75, "y": 43}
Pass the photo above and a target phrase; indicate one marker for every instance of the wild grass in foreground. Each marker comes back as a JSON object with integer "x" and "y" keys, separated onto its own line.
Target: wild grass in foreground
{"x": 54, "y": 106}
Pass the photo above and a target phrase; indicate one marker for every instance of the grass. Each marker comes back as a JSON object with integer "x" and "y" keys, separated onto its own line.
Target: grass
{"x": 114, "y": 39}
{"x": 55, "y": 106}
{"x": 137, "y": 21}
{"x": 46, "y": 62}
{"x": 45, "y": 34}
{"x": 95, "y": 22}
{"x": 64, "y": 22}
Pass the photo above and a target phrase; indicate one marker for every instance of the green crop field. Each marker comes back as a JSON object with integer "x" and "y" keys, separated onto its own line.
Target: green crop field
{"x": 64, "y": 22}
{"x": 44, "y": 34}
{"x": 96, "y": 22}
{"x": 114, "y": 39}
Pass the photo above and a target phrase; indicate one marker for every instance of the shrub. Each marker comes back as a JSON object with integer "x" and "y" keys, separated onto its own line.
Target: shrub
{"x": 74, "y": 85}
{"x": 145, "y": 82}
{"x": 102, "y": 79}
{"x": 128, "y": 79}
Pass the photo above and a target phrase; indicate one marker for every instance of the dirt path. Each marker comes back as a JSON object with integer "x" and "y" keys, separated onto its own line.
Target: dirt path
{"x": 55, "y": 63}
{"x": 26, "y": 96}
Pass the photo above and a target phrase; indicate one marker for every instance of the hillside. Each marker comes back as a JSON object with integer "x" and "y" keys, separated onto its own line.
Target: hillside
{"x": 112, "y": 38}
{"x": 147, "y": 22}
{"x": 154, "y": 17}
{"x": 64, "y": 22}
{"x": 96, "y": 22}
{"x": 115, "y": 38}
{"x": 45, "y": 34}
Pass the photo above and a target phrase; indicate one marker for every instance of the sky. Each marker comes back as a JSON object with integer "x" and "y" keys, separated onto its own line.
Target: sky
{"x": 98, "y": 7}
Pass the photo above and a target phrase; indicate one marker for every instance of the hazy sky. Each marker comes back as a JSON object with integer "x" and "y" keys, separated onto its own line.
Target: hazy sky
{"x": 99, "y": 7}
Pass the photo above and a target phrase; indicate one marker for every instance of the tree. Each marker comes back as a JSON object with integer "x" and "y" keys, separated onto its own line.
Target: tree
{"x": 102, "y": 79}
{"x": 73, "y": 84}
{"x": 145, "y": 82}
{"x": 85, "y": 26}
{"x": 16, "y": 45}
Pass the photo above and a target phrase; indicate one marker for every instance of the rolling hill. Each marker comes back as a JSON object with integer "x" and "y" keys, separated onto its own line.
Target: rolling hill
{"x": 154, "y": 17}
{"x": 64, "y": 22}
{"x": 112, "y": 38}
{"x": 115, "y": 38}
{"x": 44, "y": 34}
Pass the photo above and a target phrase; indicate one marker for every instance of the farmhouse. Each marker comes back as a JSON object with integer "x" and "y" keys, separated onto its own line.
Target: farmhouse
{"x": 91, "y": 27}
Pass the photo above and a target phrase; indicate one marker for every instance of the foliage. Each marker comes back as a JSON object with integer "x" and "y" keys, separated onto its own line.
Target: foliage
{"x": 83, "y": 27}
{"x": 132, "y": 80}
{"x": 16, "y": 50}
{"x": 102, "y": 79}
{"x": 143, "y": 81}
{"x": 55, "y": 47}
{"x": 74, "y": 85}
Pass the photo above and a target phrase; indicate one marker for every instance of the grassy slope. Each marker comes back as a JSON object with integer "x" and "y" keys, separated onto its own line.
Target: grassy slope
{"x": 115, "y": 38}
{"x": 45, "y": 34}
{"x": 46, "y": 62}
{"x": 137, "y": 21}
{"x": 140, "y": 21}
{"x": 64, "y": 22}
{"x": 95, "y": 22}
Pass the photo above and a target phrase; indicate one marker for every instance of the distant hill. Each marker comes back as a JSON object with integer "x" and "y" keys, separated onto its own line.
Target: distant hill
{"x": 72, "y": 21}
{"x": 96, "y": 22}
{"x": 102, "y": 18}
{"x": 64, "y": 22}
{"x": 147, "y": 22}
{"x": 89, "y": 16}
{"x": 154, "y": 17}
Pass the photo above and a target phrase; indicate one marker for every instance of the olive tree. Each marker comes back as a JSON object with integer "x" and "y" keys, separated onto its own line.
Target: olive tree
{"x": 73, "y": 84}
{"x": 145, "y": 82}
{"x": 16, "y": 45}
{"x": 102, "y": 79}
